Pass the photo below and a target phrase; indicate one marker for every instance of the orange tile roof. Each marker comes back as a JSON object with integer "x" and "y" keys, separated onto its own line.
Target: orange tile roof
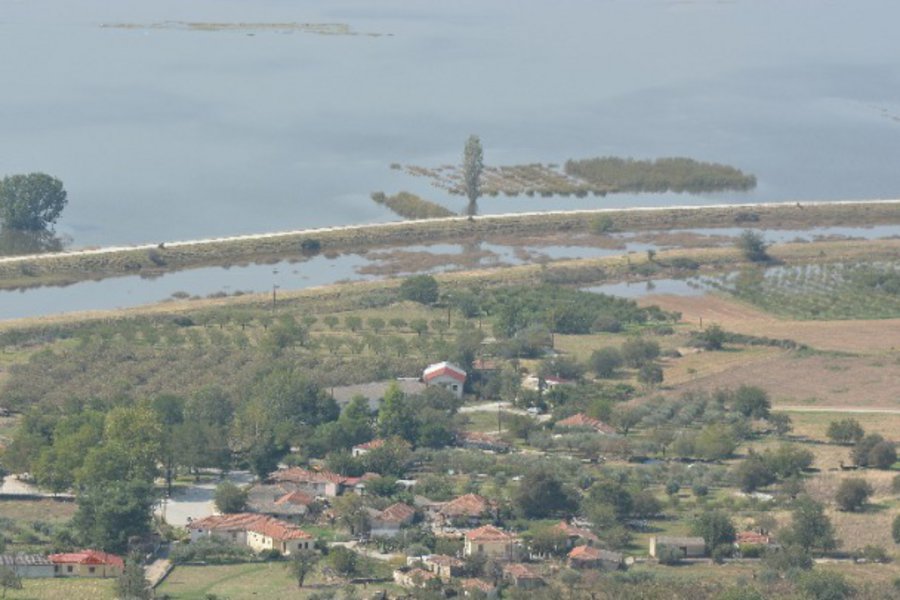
{"x": 444, "y": 560}
{"x": 582, "y": 420}
{"x": 489, "y": 533}
{"x": 469, "y": 505}
{"x": 444, "y": 368}
{"x": 299, "y": 475}
{"x": 237, "y": 521}
{"x": 571, "y": 531}
{"x": 584, "y": 553}
{"x": 87, "y": 557}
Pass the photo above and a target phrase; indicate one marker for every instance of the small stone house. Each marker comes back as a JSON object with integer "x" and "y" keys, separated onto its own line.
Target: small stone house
{"x": 490, "y": 542}
{"x": 27, "y": 566}
{"x": 445, "y": 567}
{"x": 688, "y": 547}
{"x": 388, "y": 522}
{"x": 87, "y": 563}
{"x": 588, "y": 557}
{"x": 521, "y": 576}
{"x": 415, "y": 577}
{"x": 471, "y": 587}
{"x": 446, "y": 375}
{"x": 363, "y": 449}
{"x": 469, "y": 509}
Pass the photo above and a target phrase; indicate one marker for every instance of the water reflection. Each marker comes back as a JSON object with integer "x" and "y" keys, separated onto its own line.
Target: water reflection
{"x": 14, "y": 242}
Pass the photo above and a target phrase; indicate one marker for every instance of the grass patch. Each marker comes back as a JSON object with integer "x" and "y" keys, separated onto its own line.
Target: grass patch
{"x": 410, "y": 206}
{"x": 69, "y": 588}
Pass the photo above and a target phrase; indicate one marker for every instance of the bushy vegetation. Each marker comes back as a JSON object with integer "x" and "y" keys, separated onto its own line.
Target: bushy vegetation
{"x": 411, "y": 206}
{"x": 660, "y": 175}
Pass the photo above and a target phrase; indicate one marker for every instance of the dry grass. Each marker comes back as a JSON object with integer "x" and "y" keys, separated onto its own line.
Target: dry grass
{"x": 814, "y": 425}
{"x": 71, "y": 589}
{"x": 859, "y": 336}
{"x": 37, "y": 510}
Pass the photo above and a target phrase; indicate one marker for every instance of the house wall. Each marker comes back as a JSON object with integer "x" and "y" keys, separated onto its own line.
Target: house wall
{"x": 32, "y": 571}
{"x": 70, "y": 570}
{"x": 450, "y": 384}
{"x": 234, "y": 536}
{"x": 498, "y": 549}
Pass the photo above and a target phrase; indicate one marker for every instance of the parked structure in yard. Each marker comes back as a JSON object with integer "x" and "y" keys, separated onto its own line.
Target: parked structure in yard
{"x": 259, "y": 532}
{"x": 27, "y": 566}
{"x": 388, "y": 522}
{"x": 490, "y": 542}
{"x": 588, "y": 557}
{"x": 446, "y": 375}
{"x": 87, "y": 563}
{"x": 582, "y": 421}
{"x": 688, "y": 547}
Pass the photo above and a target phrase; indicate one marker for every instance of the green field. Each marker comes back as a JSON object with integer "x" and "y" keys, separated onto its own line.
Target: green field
{"x": 70, "y": 589}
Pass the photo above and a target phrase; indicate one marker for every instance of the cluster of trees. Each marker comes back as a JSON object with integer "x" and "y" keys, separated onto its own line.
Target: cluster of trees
{"x": 870, "y": 450}
{"x": 785, "y": 462}
{"x": 660, "y": 175}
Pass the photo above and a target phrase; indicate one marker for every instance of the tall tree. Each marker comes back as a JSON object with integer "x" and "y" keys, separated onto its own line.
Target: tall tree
{"x": 31, "y": 202}
{"x": 111, "y": 512}
{"x": 473, "y": 164}
{"x": 131, "y": 584}
{"x": 810, "y": 527}
{"x": 302, "y": 563}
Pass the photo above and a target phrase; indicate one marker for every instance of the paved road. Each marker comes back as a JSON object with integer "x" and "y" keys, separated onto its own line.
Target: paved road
{"x": 394, "y": 224}
{"x": 196, "y": 501}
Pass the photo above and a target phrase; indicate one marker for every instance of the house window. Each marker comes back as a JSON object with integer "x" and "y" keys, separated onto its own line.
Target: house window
{"x": 480, "y": 547}
{"x": 91, "y": 569}
{"x": 69, "y": 569}
{"x": 56, "y": 568}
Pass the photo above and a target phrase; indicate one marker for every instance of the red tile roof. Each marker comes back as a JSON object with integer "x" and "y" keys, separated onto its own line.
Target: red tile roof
{"x": 444, "y": 368}
{"x": 584, "y": 553}
{"x": 262, "y": 524}
{"x": 397, "y": 513}
{"x": 87, "y": 557}
{"x": 519, "y": 571}
{"x": 297, "y": 498}
{"x": 469, "y": 505}
{"x": 299, "y": 475}
{"x": 577, "y": 532}
{"x": 489, "y": 533}
{"x": 444, "y": 560}
{"x": 582, "y": 420}
{"x": 376, "y": 443}
{"x": 477, "y": 584}
{"x": 751, "y": 537}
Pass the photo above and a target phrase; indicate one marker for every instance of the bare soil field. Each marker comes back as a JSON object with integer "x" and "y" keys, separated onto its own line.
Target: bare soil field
{"x": 820, "y": 381}
{"x": 863, "y": 336}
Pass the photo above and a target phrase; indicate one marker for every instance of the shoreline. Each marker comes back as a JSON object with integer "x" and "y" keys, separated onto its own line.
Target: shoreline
{"x": 63, "y": 268}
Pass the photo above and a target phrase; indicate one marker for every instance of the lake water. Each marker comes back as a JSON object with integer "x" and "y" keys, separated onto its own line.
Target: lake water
{"x": 163, "y": 133}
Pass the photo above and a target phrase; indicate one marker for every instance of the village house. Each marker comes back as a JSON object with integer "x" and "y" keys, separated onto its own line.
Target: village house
{"x": 490, "y": 542}
{"x": 582, "y": 421}
{"x": 469, "y": 509}
{"x": 87, "y": 563}
{"x": 521, "y": 576}
{"x": 317, "y": 483}
{"x": 444, "y": 566}
{"x": 575, "y": 534}
{"x": 27, "y": 566}
{"x": 279, "y": 501}
{"x": 415, "y": 577}
{"x": 388, "y": 522}
{"x": 362, "y": 449}
{"x": 259, "y": 532}
{"x": 688, "y": 547}
{"x": 588, "y": 557}
{"x": 472, "y": 587}
{"x": 446, "y": 375}
{"x": 475, "y": 440}
{"x": 537, "y": 384}
{"x": 753, "y": 543}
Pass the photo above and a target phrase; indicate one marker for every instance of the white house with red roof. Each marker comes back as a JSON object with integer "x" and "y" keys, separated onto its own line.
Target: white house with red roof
{"x": 388, "y": 522}
{"x": 361, "y": 449}
{"x": 259, "y": 532}
{"x": 87, "y": 563}
{"x": 491, "y": 542}
{"x": 447, "y": 375}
